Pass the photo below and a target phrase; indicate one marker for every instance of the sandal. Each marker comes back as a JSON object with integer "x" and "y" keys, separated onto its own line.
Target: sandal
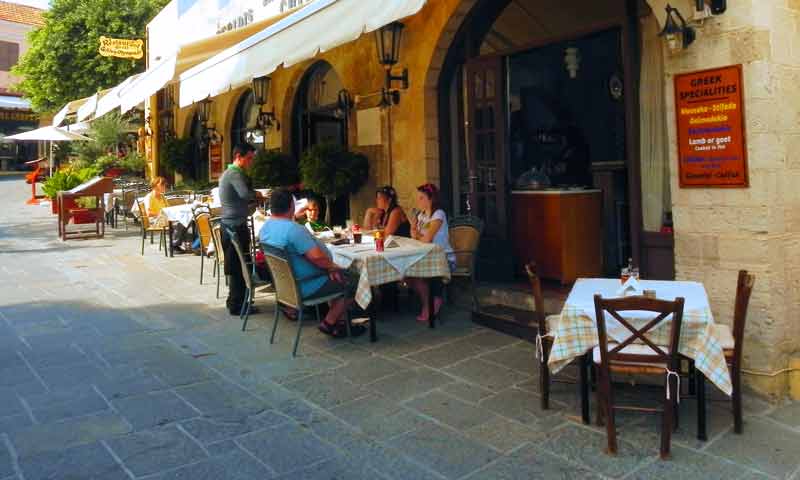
{"x": 289, "y": 313}
{"x": 340, "y": 330}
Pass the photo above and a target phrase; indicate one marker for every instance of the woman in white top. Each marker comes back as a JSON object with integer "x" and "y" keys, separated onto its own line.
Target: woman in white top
{"x": 430, "y": 226}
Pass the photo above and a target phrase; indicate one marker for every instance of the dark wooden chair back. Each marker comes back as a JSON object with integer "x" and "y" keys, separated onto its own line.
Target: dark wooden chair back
{"x": 538, "y": 299}
{"x": 744, "y": 288}
{"x": 663, "y": 309}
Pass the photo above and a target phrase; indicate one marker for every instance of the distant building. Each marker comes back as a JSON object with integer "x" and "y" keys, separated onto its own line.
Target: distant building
{"x": 15, "y": 112}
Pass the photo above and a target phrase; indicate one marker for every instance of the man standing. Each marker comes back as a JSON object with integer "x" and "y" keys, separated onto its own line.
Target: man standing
{"x": 237, "y": 197}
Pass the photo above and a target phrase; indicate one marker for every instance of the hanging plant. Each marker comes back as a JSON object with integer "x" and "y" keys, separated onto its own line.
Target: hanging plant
{"x": 332, "y": 171}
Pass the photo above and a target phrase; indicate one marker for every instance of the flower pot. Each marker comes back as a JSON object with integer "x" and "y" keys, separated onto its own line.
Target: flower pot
{"x": 114, "y": 172}
{"x": 82, "y": 215}
{"x": 54, "y": 206}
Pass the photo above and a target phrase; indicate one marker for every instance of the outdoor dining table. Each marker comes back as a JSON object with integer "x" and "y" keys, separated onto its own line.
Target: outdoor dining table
{"x": 574, "y": 331}
{"x": 402, "y": 257}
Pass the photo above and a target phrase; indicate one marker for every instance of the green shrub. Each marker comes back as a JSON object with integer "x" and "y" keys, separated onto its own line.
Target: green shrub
{"x": 173, "y": 156}
{"x": 273, "y": 168}
{"x": 67, "y": 179}
{"x": 332, "y": 171}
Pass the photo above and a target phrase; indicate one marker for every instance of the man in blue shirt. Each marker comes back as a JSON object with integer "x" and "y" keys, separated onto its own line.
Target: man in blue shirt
{"x": 310, "y": 260}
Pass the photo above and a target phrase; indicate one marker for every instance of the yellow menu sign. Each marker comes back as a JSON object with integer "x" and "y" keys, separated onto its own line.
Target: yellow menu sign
{"x": 121, "y": 47}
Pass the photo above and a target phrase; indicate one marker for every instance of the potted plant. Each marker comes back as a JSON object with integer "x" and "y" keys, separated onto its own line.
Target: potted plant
{"x": 332, "y": 171}
{"x": 66, "y": 179}
{"x": 173, "y": 156}
{"x": 273, "y": 168}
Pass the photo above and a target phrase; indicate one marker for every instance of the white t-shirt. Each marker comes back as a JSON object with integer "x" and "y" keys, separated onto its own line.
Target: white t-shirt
{"x": 442, "y": 237}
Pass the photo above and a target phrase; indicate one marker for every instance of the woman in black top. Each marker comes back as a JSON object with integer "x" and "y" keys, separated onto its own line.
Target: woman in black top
{"x": 387, "y": 214}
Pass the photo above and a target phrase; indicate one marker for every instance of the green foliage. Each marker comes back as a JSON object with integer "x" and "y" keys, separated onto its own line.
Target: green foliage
{"x": 272, "y": 168}
{"x": 110, "y": 130}
{"x": 67, "y": 179}
{"x": 87, "y": 152}
{"x": 63, "y": 62}
{"x": 174, "y": 155}
{"x": 106, "y": 161}
{"x": 332, "y": 171}
{"x": 133, "y": 162}
{"x": 198, "y": 185}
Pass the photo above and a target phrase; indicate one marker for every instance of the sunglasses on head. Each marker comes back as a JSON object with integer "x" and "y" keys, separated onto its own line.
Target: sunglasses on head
{"x": 388, "y": 191}
{"x": 428, "y": 188}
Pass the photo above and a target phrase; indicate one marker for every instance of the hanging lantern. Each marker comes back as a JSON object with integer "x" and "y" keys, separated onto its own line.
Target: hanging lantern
{"x": 261, "y": 90}
{"x": 388, "y": 40}
{"x": 676, "y": 32}
{"x": 204, "y": 111}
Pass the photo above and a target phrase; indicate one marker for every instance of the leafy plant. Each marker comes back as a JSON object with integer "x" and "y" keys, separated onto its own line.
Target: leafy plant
{"x": 332, "y": 171}
{"x": 173, "y": 156}
{"x": 106, "y": 161}
{"x": 67, "y": 179}
{"x": 273, "y": 168}
{"x": 133, "y": 162}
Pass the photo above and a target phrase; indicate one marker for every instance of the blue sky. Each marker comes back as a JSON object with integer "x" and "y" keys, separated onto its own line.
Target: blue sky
{"x": 32, "y": 3}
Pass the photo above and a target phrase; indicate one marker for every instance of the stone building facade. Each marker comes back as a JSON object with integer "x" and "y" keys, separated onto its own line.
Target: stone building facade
{"x": 716, "y": 231}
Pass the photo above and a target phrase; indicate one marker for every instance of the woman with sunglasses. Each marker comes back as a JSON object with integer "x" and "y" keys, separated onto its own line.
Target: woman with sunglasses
{"x": 387, "y": 214}
{"x": 430, "y": 226}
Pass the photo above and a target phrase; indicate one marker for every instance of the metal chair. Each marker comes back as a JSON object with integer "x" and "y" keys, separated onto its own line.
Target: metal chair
{"x": 287, "y": 292}
{"x": 642, "y": 358}
{"x": 465, "y": 237}
{"x": 244, "y": 312}
{"x": 202, "y": 221}
{"x": 147, "y": 228}
{"x": 219, "y": 253}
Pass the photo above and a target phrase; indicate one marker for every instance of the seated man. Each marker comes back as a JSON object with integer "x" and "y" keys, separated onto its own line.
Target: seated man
{"x": 310, "y": 260}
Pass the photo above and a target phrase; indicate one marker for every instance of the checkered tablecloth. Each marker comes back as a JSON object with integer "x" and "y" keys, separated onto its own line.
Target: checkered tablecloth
{"x": 574, "y": 332}
{"x": 373, "y": 269}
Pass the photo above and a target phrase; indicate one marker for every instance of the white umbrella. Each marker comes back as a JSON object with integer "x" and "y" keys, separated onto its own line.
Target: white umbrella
{"x": 51, "y": 134}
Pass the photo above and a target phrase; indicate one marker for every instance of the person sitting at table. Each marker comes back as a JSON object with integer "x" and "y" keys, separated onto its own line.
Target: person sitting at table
{"x": 430, "y": 226}
{"x": 154, "y": 202}
{"x": 310, "y": 216}
{"x": 387, "y": 214}
{"x": 311, "y": 262}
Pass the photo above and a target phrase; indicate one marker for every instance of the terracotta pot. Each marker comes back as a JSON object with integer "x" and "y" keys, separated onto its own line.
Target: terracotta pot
{"x": 82, "y": 215}
{"x": 114, "y": 172}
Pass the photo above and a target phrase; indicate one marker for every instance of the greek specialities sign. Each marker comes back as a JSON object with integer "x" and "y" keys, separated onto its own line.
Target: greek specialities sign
{"x": 121, "y": 48}
{"x": 711, "y": 136}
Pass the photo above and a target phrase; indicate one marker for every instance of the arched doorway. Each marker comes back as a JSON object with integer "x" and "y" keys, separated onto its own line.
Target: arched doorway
{"x": 508, "y": 102}
{"x": 198, "y": 150}
{"x": 244, "y": 125}
{"x": 317, "y": 119}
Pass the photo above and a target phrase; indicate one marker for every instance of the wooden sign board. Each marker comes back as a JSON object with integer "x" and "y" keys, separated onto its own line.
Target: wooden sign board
{"x": 121, "y": 47}
{"x": 215, "y": 161}
{"x": 711, "y": 137}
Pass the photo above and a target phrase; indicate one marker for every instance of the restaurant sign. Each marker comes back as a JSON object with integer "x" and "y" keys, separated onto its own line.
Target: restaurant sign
{"x": 711, "y": 134}
{"x": 215, "y": 161}
{"x": 121, "y": 47}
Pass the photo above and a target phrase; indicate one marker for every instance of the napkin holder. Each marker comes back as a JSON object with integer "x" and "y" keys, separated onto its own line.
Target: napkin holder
{"x": 390, "y": 242}
{"x": 630, "y": 287}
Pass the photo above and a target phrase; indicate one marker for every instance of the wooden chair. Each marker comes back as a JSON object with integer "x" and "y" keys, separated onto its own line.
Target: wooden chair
{"x": 732, "y": 344}
{"x": 163, "y": 232}
{"x": 544, "y": 341}
{"x": 202, "y": 221}
{"x": 465, "y": 238}
{"x": 641, "y": 358}
{"x": 219, "y": 253}
{"x": 287, "y": 291}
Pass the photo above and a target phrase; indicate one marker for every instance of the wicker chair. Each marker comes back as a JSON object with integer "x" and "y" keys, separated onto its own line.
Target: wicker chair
{"x": 645, "y": 358}
{"x": 219, "y": 253}
{"x": 202, "y": 221}
{"x": 163, "y": 232}
{"x": 244, "y": 312}
{"x": 287, "y": 292}
{"x": 465, "y": 237}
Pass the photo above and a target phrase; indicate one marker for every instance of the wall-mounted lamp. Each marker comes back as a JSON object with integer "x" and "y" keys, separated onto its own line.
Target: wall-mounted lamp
{"x": 572, "y": 60}
{"x": 266, "y": 120}
{"x": 204, "y": 112}
{"x": 676, "y": 32}
{"x": 388, "y": 39}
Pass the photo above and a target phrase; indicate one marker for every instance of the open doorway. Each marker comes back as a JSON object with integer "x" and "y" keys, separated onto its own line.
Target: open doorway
{"x": 317, "y": 119}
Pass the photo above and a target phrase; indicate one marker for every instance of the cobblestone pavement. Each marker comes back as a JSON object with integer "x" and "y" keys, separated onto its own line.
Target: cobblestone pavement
{"x": 115, "y": 365}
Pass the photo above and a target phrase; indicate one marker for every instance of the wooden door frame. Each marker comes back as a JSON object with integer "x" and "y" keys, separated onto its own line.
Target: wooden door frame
{"x": 466, "y": 46}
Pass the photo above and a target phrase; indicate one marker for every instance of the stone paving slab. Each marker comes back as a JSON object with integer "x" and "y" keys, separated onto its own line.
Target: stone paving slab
{"x": 106, "y": 373}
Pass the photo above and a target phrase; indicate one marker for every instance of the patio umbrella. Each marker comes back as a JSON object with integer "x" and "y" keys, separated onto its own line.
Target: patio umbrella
{"x": 51, "y": 134}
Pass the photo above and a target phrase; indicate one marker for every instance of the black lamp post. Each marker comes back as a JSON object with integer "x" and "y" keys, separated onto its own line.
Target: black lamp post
{"x": 388, "y": 39}
{"x": 676, "y": 32}
{"x": 266, "y": 120}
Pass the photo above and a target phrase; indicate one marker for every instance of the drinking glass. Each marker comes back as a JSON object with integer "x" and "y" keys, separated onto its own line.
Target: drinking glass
{"x": 624, "y": 275}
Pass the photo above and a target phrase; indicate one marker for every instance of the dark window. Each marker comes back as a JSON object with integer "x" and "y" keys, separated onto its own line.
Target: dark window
{"x": 9, "y": 54}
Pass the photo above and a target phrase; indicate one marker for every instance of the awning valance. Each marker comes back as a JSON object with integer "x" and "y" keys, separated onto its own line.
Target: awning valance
{"x": 317, "y": 27}
{"x": 112, "y": 100}
{"x": 68, "y": 109}
{"x": 18, "y": 103}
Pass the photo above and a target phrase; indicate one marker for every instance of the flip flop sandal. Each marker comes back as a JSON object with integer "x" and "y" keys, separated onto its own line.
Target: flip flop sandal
{"x": 289, "y": 313}
{"x": 335, "y": 331}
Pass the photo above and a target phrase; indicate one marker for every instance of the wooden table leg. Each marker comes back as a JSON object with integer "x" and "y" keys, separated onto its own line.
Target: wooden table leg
{"x": 702, "y": 433}
{"x": 584, "y": 387}
{"x": 373, "y": 317}
{"x": 431, "y": 303}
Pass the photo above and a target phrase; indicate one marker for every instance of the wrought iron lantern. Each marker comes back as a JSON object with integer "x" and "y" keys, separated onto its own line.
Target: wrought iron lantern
{"x": 388, "y": 39}
{"x": 677, "y": 33}
{"x": 266, "y": 120}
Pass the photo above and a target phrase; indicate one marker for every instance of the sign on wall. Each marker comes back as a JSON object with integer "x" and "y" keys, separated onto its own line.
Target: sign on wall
{"x": 121, "y": 47}
{"x": 711, "y": 135}
{"x": 215, "y": 160}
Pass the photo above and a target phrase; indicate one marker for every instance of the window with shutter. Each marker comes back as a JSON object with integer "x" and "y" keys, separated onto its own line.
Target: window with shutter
{"x": 9, "y": 54}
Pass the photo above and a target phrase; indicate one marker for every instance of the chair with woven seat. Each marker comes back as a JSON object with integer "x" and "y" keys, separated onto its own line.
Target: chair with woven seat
{"x": 202, "y": 222}
{"x": 544, "y": 340}
{"x": 732, "y": 342}
{"x": 287, "y": 292}
{"x": 465, "y": 238}
{"x": 147, "y": 227}
{"x": 641, "y": 358}
{"x": 219, "y": 253}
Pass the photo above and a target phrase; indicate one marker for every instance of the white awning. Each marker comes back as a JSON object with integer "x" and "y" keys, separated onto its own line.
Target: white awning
{"x": 147, "y": 84}
{"x": 68, "y": 109}
{"x": 87, "y": 109}
{"x": 19, "y": 103}
{"x": 318, "y": 27}
{"x": 112, "y": 99}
